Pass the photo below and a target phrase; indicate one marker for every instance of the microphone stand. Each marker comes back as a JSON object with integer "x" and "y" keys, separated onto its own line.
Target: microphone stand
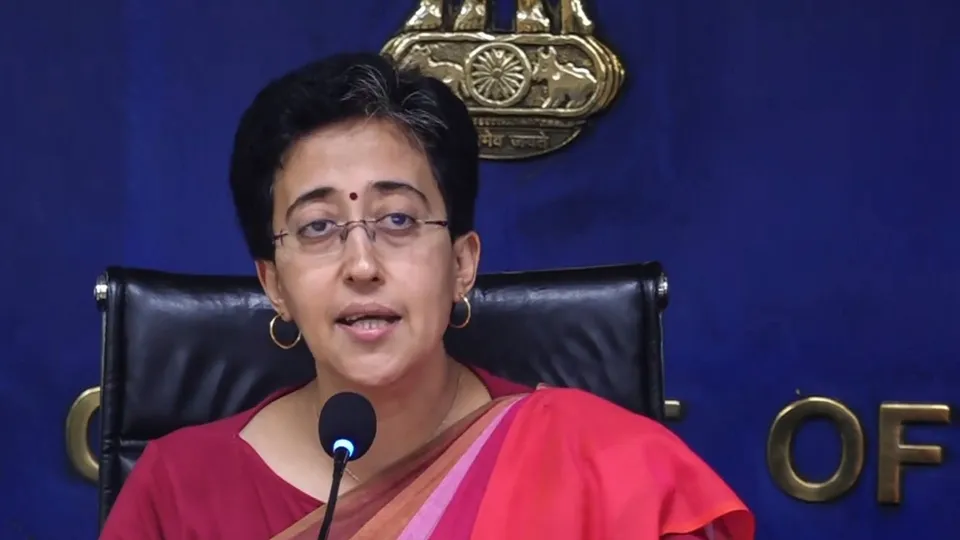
{"x": 340, "y": 457}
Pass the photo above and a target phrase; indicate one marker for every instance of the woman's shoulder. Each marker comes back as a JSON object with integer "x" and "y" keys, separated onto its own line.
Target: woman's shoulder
{"x": 630, "y": 460}
{"x": 183, "y": 480}
{"x": 627, "y": 473}
{"x": 197, "y": 439}
{"x": 208, "y": 442}
{"x": 498, "y": 386}
{"x": 607, "y": 434}
{"x": 580, "y": 413}
{"x": 195, "y": 459}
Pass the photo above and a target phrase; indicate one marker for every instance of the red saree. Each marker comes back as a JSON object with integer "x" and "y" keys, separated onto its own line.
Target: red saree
{"x": 557, "y": 463}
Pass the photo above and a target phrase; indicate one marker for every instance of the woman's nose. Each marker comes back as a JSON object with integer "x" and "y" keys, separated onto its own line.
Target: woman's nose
{"x": 359, "y": 256}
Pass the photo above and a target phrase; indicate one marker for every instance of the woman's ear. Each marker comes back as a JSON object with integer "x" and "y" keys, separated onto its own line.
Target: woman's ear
{"x": 270, "y": 281}
{"x": 466, "y": 260}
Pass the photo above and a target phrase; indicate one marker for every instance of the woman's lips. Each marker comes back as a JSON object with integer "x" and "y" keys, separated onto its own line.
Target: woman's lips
{"x": 370, "y": 330}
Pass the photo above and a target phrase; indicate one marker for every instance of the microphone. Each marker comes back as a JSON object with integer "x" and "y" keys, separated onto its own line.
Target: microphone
{"x": 347, "y": 427}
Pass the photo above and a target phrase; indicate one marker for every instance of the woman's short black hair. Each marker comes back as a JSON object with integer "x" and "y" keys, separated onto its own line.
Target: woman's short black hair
{"x": 339, "y": 88}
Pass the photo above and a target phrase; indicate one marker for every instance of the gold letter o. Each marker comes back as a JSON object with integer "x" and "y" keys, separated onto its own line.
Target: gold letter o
{"x": 780, "y": 449}
{"x": 78, "y": 433}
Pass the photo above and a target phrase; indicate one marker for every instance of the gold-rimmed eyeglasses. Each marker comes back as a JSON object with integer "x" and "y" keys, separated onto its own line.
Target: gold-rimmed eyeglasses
{"x": 325, "y": 237}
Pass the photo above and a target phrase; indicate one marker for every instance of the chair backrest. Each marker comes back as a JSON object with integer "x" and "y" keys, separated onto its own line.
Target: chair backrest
{"x": 182, "y": 350}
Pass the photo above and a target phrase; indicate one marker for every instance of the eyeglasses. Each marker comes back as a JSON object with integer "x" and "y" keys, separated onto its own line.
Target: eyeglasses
{"x": 325, "y": 237}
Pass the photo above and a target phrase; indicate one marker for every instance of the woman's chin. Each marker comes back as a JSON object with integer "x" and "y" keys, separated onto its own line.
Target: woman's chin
{"x": 373, "y": 372}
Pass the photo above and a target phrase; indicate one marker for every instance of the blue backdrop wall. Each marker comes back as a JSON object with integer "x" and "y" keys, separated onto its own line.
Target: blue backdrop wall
{"x": 793, "y": 164}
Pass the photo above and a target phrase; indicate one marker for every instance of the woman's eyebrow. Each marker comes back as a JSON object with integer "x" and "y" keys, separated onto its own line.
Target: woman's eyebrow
{"x": 316, "y": 194}
{"x": 386, "y": 187}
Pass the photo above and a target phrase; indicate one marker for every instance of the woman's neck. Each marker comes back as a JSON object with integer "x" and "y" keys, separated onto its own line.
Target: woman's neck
{"x": 410, "y": 412}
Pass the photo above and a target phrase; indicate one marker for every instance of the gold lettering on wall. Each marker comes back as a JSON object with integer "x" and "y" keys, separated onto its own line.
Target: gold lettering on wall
{"x": 780, "y": 449}
{"x": 894, "y": 451}
{"x": 81, "y": 456}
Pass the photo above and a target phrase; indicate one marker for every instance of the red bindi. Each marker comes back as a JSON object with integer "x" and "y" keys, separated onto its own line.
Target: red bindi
{"x": 353, "y": 196}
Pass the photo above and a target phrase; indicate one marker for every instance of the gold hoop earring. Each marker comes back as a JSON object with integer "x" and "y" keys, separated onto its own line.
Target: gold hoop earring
{"x": 466, "y": 302}
{"x": 273, "y": 335}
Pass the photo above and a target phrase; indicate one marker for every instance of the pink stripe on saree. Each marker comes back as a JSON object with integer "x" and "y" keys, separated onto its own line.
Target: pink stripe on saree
{"x": 425, "y": 521}
{"x": 460, "y": 518}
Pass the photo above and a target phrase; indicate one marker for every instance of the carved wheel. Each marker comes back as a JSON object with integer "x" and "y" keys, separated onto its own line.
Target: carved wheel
{"x": 498, "y": 74}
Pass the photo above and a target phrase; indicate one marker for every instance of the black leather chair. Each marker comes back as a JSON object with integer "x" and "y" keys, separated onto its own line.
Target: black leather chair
{"x": 180, "y": 350}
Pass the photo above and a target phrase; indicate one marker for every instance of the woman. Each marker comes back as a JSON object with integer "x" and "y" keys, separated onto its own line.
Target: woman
{"x": 355, "y": 184}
